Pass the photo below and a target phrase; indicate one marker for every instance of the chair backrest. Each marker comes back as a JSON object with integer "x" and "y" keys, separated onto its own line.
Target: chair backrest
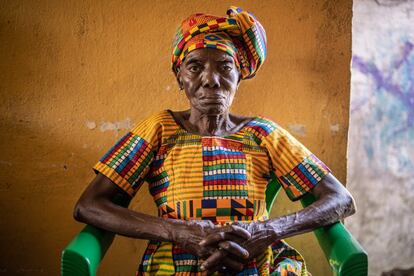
{"x": 272, "y": 190}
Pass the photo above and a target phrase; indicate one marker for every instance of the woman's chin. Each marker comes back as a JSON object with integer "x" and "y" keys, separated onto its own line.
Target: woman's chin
{"x": 213, "y": 109}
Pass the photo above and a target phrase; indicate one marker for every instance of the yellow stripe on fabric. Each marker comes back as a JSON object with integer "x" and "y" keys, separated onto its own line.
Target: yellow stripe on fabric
{"x": 285, "y": 151}
{"x": 161, "y": 260}
{"x": 149, "y": 128}
{"x": 182, "y": 176}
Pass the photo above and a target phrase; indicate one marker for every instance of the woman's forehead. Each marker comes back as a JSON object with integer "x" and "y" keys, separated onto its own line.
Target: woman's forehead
{"x": 208, "y": 54}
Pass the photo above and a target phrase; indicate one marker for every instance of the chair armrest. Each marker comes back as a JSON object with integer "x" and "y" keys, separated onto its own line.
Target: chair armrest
{"x": 84, "y": 253}
{"x": 343, "y": 252}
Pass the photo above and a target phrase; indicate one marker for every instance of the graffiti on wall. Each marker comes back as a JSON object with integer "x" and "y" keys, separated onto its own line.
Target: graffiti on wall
{"x": 390, "y": 101}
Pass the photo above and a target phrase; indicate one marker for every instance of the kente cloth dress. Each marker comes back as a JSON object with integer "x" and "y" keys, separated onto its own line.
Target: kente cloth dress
{"x": 222, "y": 179}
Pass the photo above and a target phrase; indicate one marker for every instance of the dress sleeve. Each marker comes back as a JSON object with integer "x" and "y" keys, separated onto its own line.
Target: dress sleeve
{"x": 297, "y": 169}
{"x": 128, "y": 161}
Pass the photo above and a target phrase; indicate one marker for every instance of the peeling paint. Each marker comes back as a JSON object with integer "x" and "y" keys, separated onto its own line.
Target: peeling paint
{"x": 90, "y": 124}
{"x": 108, "y": 126}
{"x": 334, "y": 128}
{"x": 297, "y": 129}
{"x": 124, "y": 124}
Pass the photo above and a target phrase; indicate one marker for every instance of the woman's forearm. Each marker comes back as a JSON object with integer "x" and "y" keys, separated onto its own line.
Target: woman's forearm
{"x": 333, "y": 204}
{"x": 321, "y": 213}
{"x": 126, "y": 222}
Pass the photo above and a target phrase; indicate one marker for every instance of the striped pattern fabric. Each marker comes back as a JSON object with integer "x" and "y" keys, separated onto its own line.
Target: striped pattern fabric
{"x": 221, "y": 179}
{"x": 240, "y": 35}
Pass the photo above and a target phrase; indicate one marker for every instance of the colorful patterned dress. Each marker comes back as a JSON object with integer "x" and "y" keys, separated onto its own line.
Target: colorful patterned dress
{"x": 222, "y": 179}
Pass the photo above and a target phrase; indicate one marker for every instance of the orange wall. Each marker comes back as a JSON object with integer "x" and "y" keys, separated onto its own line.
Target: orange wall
{"x": 74, "y": 75}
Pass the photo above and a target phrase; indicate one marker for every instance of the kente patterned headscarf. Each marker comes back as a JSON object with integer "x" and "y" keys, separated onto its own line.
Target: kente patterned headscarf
{"x": 240, "y": 35}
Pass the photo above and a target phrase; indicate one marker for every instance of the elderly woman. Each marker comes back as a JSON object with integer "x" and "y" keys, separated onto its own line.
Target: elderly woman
{"x": 208, "y": 169}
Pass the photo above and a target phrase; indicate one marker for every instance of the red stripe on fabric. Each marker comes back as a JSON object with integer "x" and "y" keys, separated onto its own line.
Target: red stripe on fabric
{"x": 227, "y": 182}
{"x": 223, "y": 156}
{"x": 303, "y": 177}
{"x": 259, "y": 129}
{"x": 230, "y": 144}
{"x": 119, "y": 145}
{"x": 133, "y": 160}
{"x": 160, "y": 191}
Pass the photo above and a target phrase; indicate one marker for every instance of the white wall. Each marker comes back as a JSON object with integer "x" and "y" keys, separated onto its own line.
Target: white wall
{"x": 381, "y": 136}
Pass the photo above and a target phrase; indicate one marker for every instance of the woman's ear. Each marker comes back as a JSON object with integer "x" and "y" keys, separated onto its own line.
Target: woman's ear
{"x": 238, "y": 81}
{"x": 178, "y": 77}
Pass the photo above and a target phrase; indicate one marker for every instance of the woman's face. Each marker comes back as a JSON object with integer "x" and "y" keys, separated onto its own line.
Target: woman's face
{"x": 210, "y": 79}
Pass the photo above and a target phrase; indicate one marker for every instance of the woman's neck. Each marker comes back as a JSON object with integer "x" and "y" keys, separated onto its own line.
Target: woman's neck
{"x": 210, "y": 125}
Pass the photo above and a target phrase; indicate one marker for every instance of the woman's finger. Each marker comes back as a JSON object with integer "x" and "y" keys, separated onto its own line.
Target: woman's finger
{"x": 235, "y": 233}
{"x": 230, "y": 263}
{"x": 213, "y": 261}
{"x": 220, "y": 260}
{"x": 241, "y": 232}
{"x": 234, "y": 249}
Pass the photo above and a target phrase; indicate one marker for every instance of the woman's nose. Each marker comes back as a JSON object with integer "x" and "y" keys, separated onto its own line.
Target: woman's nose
{"x": 210, "y": 78}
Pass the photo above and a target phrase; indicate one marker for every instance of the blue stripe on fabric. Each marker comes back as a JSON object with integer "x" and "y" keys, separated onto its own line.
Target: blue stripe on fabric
{"x": 308, "y": 175}
{"x": 130, "y": 155}
{"x": 208, "y": 203}
{"x": 248, "y": 271}
{"x": 157, "y": 188}
{"x": 232, "y": 21}
{"x": 224, "y": 152}
{"x": 122, "y": 140}
{"x": 157, "y": 163}
{"x": 224, "y": 176}
{"x": 265, "y": 126}
{"x": 178, "y": 210}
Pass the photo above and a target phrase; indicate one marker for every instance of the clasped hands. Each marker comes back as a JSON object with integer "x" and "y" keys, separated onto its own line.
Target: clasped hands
{"x": 224, "y": 248}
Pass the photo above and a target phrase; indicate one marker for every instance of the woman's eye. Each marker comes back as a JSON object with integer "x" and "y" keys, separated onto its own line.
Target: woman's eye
{"x": 227, "y": 68}
{"x": 194, "y": 69}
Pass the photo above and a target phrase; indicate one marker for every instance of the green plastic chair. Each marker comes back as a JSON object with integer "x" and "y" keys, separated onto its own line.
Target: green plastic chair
{"x": 343, "y": 252}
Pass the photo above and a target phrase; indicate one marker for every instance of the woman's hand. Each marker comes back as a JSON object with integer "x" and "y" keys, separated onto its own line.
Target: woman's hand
{"x": 333, "y": 202}
{"x": 190, "y": 234}
{"x": 261, "y": 238}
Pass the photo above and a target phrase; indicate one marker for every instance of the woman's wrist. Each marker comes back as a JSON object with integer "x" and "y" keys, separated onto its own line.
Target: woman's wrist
{"x": 272, "y": 229}
{"x": 175, "y": 229}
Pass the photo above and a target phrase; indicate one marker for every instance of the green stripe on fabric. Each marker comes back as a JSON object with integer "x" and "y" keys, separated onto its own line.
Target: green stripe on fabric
{"x": 223, "y": 211}
{"x": 141, "y": 168}
{"x": 295, "y": 184}
{"x": 161, "y": 200}
{"x": 185, "y": 268}
{"x": 224, "y": 166}
{"x": 160, "y": 176}
{"x": 122, "y": 150}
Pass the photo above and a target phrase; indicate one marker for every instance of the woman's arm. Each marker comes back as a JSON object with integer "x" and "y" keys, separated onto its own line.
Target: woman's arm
{"x": 333, "y": 203}
{"x": 95, "y": 207}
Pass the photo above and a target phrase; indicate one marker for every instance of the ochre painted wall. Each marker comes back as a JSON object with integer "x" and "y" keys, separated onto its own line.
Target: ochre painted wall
{"x": 75, "y": 75}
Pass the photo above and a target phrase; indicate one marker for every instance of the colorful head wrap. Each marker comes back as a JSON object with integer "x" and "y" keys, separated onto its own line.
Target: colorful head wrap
{"x": 240, "y": 35}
